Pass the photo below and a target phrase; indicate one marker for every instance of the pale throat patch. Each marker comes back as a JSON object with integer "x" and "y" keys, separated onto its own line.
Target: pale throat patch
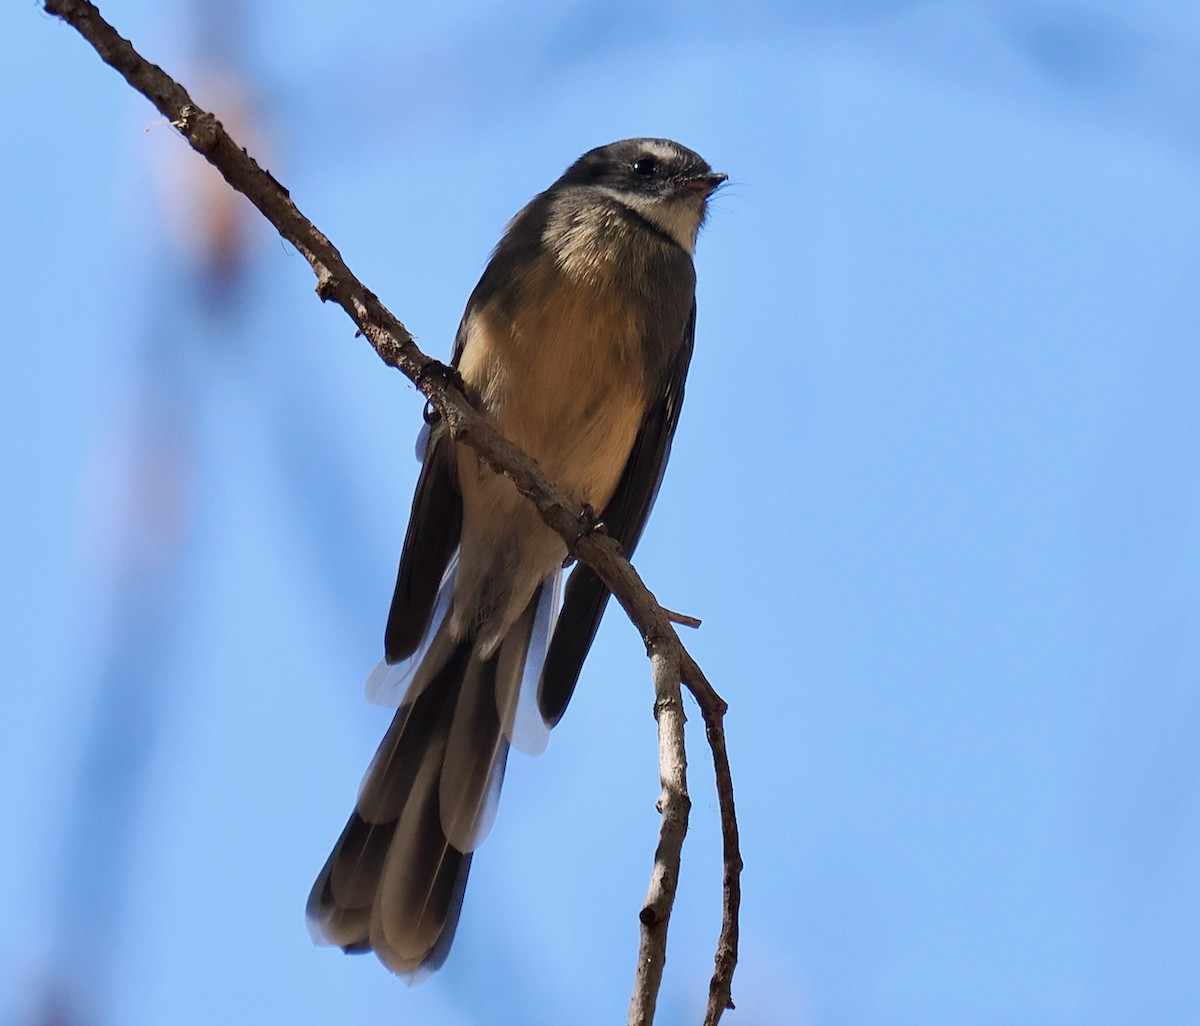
{"x": 680, "y": 217}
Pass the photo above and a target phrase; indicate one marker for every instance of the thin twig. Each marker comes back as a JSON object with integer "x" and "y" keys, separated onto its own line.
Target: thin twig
{"x": 725, "y": 960}
{"x": 395, "y": 347}
{"x": 674, "y": 805}
{"x": 682, "y": 618}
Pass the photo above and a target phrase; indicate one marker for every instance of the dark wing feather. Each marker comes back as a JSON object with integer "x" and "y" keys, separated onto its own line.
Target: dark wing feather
{"x": 434, "y": 527}
{"x": 435, "y": 523}
{"x": 624, "y": 518}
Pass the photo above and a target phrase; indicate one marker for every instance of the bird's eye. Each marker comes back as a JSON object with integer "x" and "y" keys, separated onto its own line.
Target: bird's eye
{"x": 645, "y": 166}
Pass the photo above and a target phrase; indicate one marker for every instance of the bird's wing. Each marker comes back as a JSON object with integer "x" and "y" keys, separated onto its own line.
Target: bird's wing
{"x": 425, "y": 580}
{"x": 624, "y": 518}
{"x": 434, "y": 527}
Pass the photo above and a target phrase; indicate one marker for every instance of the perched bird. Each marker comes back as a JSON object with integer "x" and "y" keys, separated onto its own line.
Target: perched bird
{"x": 575, "y": 344}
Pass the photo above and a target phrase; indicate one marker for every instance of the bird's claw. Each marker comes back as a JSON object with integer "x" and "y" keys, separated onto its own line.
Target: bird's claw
{"x": 444, "y": 372}
{"x": 447, "y": 375}
{"x": 589, "y": 524}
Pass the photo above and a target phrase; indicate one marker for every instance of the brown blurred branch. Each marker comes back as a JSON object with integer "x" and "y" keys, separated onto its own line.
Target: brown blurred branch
{"x": 671, "y": 662}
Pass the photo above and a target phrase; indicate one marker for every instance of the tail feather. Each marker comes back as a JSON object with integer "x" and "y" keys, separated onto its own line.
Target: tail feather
{"x": 395, "y": 880}
{"x": 476, "y": 753}
{"x": 521, "y": 659}
{"x": 413, "y": 904}
{"x": 390, "y": 684}
{"x": 400, "y": 943}
{"x": 352, "y": 882}
{"x": 418, "y": 731}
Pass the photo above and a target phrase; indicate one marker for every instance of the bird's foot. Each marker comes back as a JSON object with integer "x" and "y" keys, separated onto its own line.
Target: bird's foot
{"x": 589, "y": 524}
{"x": 447, "y": 375}
{"x": 443, "y": 372}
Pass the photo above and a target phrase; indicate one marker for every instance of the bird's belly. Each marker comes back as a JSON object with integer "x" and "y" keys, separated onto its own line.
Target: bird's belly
{"x": 581, "y": 439}
{"x": 567, "y": 391}
{"x": 570, "y": 395}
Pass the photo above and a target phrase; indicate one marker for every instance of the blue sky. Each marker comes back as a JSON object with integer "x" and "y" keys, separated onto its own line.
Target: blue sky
{"x": 934, "y": 494}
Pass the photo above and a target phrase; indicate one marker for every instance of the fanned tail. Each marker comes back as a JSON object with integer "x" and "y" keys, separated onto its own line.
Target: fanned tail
{"x": 395, "y": 880}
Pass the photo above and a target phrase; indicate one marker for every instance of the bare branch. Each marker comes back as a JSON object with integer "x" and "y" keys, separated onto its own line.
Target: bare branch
{"x": 725, "y": 959}
{"x": 682, "y": 619}
{"x": 395, "y": 346}
{"x": 674, "y": 805}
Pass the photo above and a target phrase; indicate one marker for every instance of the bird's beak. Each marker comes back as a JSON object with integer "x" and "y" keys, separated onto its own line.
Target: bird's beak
{"x": 705, "y": 183}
